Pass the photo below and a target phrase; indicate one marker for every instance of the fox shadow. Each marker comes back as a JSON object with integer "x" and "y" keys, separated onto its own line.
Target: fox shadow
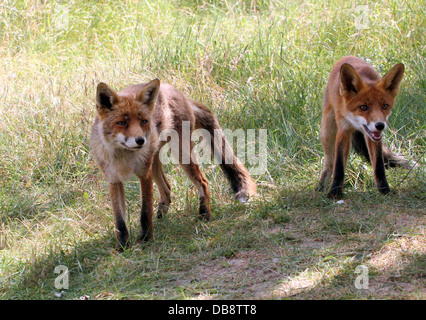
{"x": 95, "y": 265}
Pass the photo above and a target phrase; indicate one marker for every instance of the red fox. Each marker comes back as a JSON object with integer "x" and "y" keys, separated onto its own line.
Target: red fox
{"x": 356, "y": 106}
{"x": 125, "y": 141}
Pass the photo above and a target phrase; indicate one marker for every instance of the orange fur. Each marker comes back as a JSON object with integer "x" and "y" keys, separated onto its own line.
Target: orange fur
{"x": 357, "y": 100}
{"x": 125, "y": 141}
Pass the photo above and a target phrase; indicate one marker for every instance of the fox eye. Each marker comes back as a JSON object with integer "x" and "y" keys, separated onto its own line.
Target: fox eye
{"x": 363, "y": 107}
{"x": 385, "y": 106}
{"x": 144, "y": 121}
{"x": 122, "y": 123}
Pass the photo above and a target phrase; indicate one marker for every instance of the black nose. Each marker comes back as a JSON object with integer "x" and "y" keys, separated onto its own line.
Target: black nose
{"x": 140, "y": 141}
{"x": 380, "y": 126}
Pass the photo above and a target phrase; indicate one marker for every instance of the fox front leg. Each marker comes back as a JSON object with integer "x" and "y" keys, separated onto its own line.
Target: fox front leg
{"x": 343, "y": 144}
{"x": 116, "y": 192}
{"x": 147, "y": 190}
{"x": 375, "y": 150}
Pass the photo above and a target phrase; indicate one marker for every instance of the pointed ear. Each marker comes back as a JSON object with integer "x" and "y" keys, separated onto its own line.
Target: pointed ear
{"x": 106, "y": 98}
{"x": 390, "y": 82}
{"x": 149, "y": 93}
{"x": 350, "y": 81}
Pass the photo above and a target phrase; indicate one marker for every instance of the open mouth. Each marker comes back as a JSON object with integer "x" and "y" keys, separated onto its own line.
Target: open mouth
{"x": 375, "y": 136}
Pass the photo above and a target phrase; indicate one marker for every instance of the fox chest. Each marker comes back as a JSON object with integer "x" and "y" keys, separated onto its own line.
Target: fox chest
{"x": 122, "y": 169}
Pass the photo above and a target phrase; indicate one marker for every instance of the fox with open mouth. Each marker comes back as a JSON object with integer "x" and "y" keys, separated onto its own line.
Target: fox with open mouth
{"x": 356, "y": 106}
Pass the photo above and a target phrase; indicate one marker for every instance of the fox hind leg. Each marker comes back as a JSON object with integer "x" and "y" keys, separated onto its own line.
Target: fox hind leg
{"x": 194, "y": 173}
{"x": 163, "y": 187}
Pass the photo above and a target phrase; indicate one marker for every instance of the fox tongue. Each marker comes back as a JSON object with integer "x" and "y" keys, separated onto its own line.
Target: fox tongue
{"x": 377, "y": 134}
{"x": 374, "y": 135}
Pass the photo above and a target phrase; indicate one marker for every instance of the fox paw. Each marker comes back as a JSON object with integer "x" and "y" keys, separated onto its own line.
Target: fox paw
{"x": 335, "y": 194}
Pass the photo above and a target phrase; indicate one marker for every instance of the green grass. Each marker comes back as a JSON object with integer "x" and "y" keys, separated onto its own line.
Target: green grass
{"x": 256, "y": 64}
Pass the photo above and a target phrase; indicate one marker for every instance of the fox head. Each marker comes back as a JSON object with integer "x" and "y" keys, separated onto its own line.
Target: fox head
{"x": 126, "y": 120}
{"x": 368, "y": 105}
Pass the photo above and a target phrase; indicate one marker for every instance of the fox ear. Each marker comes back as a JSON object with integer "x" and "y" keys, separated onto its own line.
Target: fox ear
{"x": 105, "y": 98}
{"x": 350, "y": 81}
{"x": 149, "y": 93}
{"x": 390, "y": 82}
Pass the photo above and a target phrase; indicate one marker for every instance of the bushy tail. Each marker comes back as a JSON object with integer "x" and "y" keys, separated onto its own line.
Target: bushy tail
{"x": 242, "y": 183}
{"x": 390, "y": 159}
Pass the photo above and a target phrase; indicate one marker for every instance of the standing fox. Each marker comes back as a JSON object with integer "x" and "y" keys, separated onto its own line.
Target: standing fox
{"x": 356, "y": 106}
{"x": 125, "y": 141}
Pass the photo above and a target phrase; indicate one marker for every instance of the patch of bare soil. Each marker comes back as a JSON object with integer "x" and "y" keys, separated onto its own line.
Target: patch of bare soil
{"x": 247, "y": 275}
{"x": 256, "y": 274}
{"x": 297, "y": 268}
{"x": 401, "y": 269}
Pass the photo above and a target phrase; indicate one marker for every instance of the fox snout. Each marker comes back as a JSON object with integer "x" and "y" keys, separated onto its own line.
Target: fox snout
{"x": 131, "y": 142}
{"x": 140, "y": 141}
{"x": 380, "y": 126}
{"x": 137, "y": 142}
{"x": 374, "y": 130}
{"x": 376, "y": 126}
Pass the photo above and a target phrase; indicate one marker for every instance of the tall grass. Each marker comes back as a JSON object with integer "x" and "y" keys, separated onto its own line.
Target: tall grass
{"x": 256, "y": 64}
